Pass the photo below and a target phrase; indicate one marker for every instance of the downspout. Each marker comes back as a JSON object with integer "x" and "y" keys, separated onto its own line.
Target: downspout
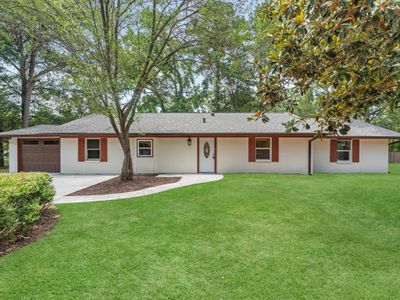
{"x": 310, "y": 155}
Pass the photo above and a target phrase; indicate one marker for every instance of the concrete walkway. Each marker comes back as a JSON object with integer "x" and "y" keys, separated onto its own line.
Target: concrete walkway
{"x": 186, "y": 179}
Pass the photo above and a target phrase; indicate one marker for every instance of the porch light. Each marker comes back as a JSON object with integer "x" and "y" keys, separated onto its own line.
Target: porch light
{"x": 189, "y": 141}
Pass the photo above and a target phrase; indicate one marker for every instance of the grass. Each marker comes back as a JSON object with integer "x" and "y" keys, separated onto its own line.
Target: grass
{"x": 247, "y": 236}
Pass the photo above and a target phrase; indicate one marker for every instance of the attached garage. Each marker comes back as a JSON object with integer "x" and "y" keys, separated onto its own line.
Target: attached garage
{"x": 39, "y": 155}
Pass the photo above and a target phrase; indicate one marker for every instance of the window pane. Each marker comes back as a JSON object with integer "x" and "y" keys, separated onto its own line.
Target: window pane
{"x": 144, "y": 144}
{"x": 343, "y": 145}
{"x": 93, "y": 154}
{"x": 144, "y": 152}
{"x": 93, "y": 144}
{"x": 51, "y": 142}
{"x": 262, "y": 143}
{"x": 262, "y": 153}
{"x": 345, "y": 155}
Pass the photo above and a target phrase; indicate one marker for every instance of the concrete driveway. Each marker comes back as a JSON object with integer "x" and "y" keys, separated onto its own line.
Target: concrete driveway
{"x": 67, "y": 184}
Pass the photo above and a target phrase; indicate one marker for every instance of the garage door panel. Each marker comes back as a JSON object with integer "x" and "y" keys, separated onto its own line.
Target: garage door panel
{"x": 41, "y": 155}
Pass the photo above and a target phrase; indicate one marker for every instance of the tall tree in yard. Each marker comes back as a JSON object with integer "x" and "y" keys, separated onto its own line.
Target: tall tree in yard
{"x": 225, "y": 55}
{"x": 27, "y": 58}
{"x": 175, "y": 89}
{"x": 117, "y": 47}
{"x": 347, "y": 52}
{"x": 217, "y": 73}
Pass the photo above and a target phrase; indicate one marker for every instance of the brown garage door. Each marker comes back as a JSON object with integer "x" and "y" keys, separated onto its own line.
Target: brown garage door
{"x": 40, "y": 155}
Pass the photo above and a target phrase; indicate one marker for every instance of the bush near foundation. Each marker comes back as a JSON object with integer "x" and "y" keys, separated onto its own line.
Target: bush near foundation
{"x": 23, "y": 198}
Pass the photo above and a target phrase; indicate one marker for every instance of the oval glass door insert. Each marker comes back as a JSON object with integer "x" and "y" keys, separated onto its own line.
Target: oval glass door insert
{"x": 206, "y": 149}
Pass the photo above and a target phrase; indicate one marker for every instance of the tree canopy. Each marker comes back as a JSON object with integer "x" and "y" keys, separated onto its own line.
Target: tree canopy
{"x": 29, "y": 58}
{"x": 116, "y": 48}
{"x": 216, "y": 73}
{"x": 347, "y": 53}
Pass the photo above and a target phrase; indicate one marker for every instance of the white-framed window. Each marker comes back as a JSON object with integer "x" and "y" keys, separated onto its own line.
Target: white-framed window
{"x": 344, "y": 151}
{"x": 145, "y": 148}
{"x": 92, "y": 149}
{"x": 263, "y": 149}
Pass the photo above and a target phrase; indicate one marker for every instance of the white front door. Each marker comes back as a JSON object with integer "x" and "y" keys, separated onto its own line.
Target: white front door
{"x": 206, "y": 154}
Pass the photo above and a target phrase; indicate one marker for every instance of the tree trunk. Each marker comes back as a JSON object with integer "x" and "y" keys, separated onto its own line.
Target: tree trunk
{"x": 1, "y": 154}
{"x": 127, "y": 165}
{"x": 162, "y": 105}
{"x": 217, "y": 89}
{"x": 26, "y": 95}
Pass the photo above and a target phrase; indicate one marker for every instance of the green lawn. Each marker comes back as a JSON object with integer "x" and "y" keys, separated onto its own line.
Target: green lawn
{"x": 247, "y": 236}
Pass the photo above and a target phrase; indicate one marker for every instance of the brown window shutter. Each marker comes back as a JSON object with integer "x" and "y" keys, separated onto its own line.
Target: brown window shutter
{"x": 103, "y": 149}
{"x": 275, "y": 149}
{"x": 252, "y": 149}
{"x": 81, "y": 149}
{"x": 356, "y": 151}
{"x": 333, "y": 150}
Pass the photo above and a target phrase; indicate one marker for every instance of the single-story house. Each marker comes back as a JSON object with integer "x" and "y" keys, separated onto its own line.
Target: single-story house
{"x": 197, "y": 143}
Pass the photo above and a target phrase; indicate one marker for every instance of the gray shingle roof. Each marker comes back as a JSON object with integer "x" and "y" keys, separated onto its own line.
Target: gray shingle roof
{"x": 192, "y": 123}
{"x": 34, "y": 130}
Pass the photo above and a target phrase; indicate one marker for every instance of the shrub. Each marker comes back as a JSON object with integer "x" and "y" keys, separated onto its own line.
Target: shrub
{"x": 23, "y": 197}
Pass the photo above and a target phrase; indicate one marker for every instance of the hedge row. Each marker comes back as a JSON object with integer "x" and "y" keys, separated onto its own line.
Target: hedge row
{"x": 23, "y": 197}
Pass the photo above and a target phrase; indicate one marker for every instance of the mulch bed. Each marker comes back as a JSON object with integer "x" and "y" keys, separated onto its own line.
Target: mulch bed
{"x": 115, "y": 185}
{"x": 34, "y": 232}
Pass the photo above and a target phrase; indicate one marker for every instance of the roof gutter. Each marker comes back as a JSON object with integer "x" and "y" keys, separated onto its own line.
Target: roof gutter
{"x": 310, "y": 172}
{"x": 133, "y": 135}
{"x": 6, "y": 135}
